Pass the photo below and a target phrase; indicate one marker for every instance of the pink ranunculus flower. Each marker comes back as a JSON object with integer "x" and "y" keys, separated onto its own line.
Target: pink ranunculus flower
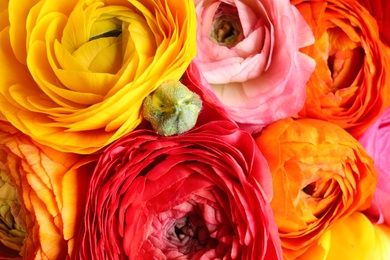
{"x": 376, "y": 141}
{"x": 248, "y": 50}
{"x": 203, "y": 194}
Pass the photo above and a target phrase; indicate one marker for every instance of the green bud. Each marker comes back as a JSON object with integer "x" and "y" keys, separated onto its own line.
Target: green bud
{"x": 12, "y": 233}
{"x": 172, "y": 108}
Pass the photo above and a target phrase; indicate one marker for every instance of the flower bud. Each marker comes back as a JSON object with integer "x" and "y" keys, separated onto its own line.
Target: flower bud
{"x": 172, "y": 108}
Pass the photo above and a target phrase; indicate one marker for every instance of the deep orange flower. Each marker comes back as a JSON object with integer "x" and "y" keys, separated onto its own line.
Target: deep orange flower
{"x": 42, "y": 194}
{"x": 321, "y": 175}
{"x": 349, "y": 83}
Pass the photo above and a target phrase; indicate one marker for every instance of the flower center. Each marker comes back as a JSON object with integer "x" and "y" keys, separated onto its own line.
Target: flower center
{"x": 12, "y": 234}
{"x": 318, "y": 196}
{"x": 107, "y": 28}
{"x": 226, "y": 29}
{"x": 190, "y": 234}
{"x": 103, "y": 50}
{"x": 345, "y": 59}
{"x": 315, "y": 189}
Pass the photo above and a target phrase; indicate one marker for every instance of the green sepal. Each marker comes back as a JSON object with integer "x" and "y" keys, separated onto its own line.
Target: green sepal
{"x": 172, "y": 108}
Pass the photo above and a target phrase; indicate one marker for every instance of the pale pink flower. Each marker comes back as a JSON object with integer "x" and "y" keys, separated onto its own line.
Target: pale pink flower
{"x": 249, "y": 53}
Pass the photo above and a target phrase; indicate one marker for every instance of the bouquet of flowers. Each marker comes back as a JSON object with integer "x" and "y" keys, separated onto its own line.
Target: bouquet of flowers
{"x": 194, "y": 129}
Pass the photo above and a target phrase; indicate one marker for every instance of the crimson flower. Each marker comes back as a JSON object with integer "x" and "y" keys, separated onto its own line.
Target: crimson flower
{"x": 201, "y": 194}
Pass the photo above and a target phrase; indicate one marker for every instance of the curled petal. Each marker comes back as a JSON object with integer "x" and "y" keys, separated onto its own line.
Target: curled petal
{"x": 202, "y": 194}
{"x": 49, "y": 193}
{"x": 78, "y": 71}
{"x": 350, "y": 81}
{"x": 352, "y": 238}
{"x": 376, "y": 141}
{"x": 321, "y": 175}
{"x": 261, "y": 78}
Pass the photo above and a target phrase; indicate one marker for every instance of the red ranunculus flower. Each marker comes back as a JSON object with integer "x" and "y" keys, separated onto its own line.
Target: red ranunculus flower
{"x": 200, "y": 195}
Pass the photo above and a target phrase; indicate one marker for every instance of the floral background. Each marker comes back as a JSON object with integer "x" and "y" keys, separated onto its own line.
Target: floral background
{"x": 194, "y": 129}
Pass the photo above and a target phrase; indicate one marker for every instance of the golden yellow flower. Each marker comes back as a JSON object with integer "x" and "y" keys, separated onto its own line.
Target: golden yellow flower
{"x": 75, "y": 73}
{"x": 42, "y": 197}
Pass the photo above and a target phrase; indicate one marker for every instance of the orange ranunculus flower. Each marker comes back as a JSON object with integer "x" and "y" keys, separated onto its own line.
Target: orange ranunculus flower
{"x": 353, "y": 238}
{"x": 321, "y": 174}
{"x": 74, "y": 74}
{"x": 42, "y": 195}
{"x": 349, "y": 83}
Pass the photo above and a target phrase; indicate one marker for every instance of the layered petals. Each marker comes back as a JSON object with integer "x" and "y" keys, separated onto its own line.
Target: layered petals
{"x": 78, "y": 71}
{"x": 249, "y": 53}
{"x": 376, "y": 141}
{"x": 380, "y": 9}
{"x": 321, "y": 175}
{"x": 350, "y": 84}
{"x": 42, "y": 196}
{"x": 203, "y": 194}
{"x": 212, "y": 108}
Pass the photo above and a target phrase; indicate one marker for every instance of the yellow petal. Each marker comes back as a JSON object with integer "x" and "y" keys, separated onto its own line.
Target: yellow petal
{"x": 354, "y": 238}
{"x": 111, "y": 59}
{"x": 382, "y": 241}
{"x": 80, "y": 92}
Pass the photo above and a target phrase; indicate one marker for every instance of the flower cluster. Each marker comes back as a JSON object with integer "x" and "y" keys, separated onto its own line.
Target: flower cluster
{"x": 194, "y": 129}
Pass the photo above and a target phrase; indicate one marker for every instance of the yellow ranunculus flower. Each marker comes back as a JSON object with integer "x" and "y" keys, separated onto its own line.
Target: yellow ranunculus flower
{"x": 74, "y": 74}
{"x": 354, "y": 238}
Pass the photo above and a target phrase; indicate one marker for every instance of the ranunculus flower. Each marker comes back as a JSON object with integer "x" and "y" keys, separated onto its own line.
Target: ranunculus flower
{"x": 42, "y": 197}
{"x": 352, "y": 238}
{"x": 203, "y": 194}
{"x": 74, "y": 74}
{"x": 376, "y": 141}
{"x": 248, "y": 50}
{"x": 350, "y": 84}
{"x": 380, "y": 9}
{"x": 321, "y": 175}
